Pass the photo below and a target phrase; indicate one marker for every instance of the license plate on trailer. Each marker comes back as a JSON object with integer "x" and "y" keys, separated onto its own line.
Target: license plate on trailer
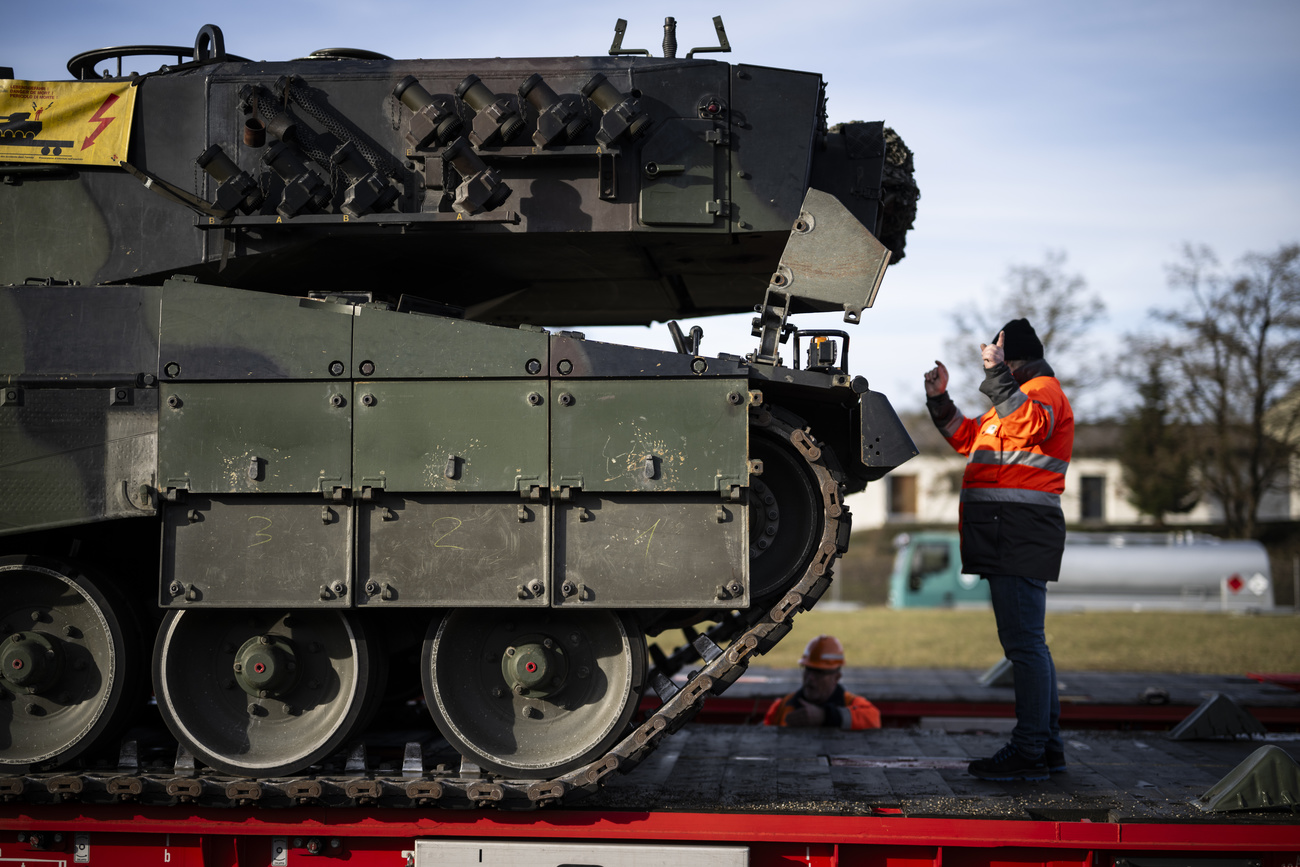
{"x": 487, "y": 853}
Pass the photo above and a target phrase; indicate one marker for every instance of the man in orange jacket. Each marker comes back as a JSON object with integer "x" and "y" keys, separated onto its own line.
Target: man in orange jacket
{"x": 1012, "y": 527}
{"x": 822, "y": 701}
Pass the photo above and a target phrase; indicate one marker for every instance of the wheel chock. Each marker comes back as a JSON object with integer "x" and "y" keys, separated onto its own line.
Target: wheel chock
{"x": 1268, "y": 779}
{"x": 999, "y": 675}
{"x": 1217, "y": 717}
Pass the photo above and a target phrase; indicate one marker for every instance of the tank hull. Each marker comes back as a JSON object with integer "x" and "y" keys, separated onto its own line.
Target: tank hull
{"x": 277, "y": 397}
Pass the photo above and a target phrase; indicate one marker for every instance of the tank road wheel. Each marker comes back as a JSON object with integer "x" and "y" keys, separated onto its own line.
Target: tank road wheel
{"x": 264, "y": 693}
{"x": 785, "y": 513}
{"x": 532, "y": 694}
{"x": 69, "y": 663}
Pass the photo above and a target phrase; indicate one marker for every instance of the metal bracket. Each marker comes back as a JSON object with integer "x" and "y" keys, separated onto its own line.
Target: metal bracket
{"x": 528, "y": 487}
{"x": 332, "y": 487}
{"x": 175, "y": 193}
{"x": 728, "y": 486}
{"x": 684, "y": 344}
{"x": 770, "y": 326}
{"x": 835, "y": 261}
{"x": 357, "y": 760}
{"x": 616, "y": 48}
{"x": 128, "y": 756}
{"x": 607, "y": 174}
{"x": 843, "y": 363}
{"x": 183, "y": 766}
{"x": 723, "y": 45}
{"x": 413, "y": 760}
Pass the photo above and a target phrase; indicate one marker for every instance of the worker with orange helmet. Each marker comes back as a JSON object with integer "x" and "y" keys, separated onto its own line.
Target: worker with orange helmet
{"x": 822, "y": 701}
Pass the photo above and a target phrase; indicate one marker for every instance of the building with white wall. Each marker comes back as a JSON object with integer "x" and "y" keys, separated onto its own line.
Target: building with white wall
{"x": 925, "y": 490}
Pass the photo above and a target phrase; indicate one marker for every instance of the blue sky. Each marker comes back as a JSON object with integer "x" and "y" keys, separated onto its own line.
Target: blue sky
{"x": 1115, "y": 131}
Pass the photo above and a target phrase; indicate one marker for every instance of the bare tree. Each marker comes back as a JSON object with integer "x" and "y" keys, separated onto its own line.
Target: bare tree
{"x": 1235, "y": 364}
{"x": 1057, "y": 303}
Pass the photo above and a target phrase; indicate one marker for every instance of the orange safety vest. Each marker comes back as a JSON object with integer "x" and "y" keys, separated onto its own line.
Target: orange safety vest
{"x": 858, "y": 713}
{"x": 1020, "y": 449}
{"x": 1011, "y": 519}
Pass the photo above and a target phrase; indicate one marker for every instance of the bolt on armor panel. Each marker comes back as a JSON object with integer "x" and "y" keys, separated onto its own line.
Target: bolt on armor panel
{"x": 274, "y": 551}
{"x": 437, "y": 550}
{"x": 649, "y": 435}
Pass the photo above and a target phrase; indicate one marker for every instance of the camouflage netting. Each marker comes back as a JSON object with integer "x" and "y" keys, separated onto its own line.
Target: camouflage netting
{"x": 898, "y": 196}
{"x": 899, "y": 193}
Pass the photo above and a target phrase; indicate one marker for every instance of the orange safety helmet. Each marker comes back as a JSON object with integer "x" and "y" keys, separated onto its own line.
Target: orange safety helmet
{"x": 824, "y": 652}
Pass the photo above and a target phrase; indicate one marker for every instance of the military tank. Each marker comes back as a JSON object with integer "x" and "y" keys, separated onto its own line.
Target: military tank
{"x": 283, "y": 399}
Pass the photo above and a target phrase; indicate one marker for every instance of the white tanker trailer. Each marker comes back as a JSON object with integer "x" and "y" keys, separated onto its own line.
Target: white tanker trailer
{"x": 1180, "y": 571}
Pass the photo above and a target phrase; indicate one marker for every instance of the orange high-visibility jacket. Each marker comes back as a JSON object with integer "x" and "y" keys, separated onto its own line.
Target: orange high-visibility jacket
{"x": 1019, "y": 451}
{"x": 844, "y": 710}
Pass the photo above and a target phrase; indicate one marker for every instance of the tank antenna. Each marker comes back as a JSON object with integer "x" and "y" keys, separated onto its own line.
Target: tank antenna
{"x": 670, "y": 37}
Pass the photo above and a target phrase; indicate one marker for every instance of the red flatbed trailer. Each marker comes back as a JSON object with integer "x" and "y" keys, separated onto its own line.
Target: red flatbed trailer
{"x": 728, "y": 794}
{"x": 130, "y": 837}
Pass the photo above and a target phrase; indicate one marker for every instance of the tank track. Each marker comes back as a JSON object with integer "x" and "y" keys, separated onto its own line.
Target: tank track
{"x": 744, "y": 634}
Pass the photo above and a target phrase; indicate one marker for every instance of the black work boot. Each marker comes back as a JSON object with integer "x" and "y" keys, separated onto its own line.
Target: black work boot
{"x": 1009, "y": 764}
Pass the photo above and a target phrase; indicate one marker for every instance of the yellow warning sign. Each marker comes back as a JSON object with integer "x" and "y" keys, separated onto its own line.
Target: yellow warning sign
{"x": 82, "y": 122}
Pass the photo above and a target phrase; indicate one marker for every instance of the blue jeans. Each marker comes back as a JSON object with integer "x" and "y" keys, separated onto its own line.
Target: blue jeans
{"x": 1019, "y": 604}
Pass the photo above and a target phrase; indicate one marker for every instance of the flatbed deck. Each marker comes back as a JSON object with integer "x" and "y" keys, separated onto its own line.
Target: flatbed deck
{"x": 894, "y": 797}
{"x": 1113, "y": 776}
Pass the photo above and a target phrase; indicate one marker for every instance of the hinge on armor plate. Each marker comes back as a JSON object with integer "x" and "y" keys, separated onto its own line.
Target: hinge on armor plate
{"x": 11, "y": 395}
{"x": 370, "y": 485}
{"x": 569, "y": 485}
{"x": 330, "y": 486}
{"x": 728, "y": 486}
{"x": 528, "y": 487}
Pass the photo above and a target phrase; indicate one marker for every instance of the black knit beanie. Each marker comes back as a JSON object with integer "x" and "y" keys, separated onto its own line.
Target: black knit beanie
{"x": 1020, "y": 342}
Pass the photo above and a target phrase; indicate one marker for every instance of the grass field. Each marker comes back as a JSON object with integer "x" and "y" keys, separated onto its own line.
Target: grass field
{"x": 1085, "y": 641}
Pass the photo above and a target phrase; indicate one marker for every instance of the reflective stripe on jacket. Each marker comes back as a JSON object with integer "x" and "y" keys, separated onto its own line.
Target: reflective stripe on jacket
{"x": 1019, "y": 451}
{"x": 1021, "y": 447}
{"x": 844, "y": 710}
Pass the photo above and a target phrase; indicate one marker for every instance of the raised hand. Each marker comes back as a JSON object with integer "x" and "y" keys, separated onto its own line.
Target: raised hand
{"x": 936, "y": 380}
{"x": 994, "y": 355}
